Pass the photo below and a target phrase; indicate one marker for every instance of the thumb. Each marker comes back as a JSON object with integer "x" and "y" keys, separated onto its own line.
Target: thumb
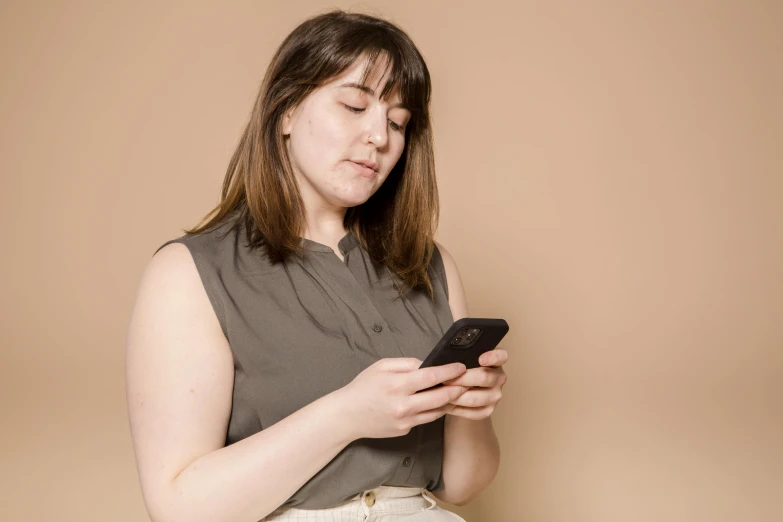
{"x": 400, "y": 364}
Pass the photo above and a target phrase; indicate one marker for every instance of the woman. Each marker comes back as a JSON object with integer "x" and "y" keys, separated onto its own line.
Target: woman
{"x": 273, "y": 352}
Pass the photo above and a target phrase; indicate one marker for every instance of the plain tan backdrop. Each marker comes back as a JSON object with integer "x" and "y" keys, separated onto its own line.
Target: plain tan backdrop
{"x": 611, "y": 184}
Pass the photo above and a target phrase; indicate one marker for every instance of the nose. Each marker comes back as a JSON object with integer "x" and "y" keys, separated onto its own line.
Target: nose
{"x": 377, "y": 127}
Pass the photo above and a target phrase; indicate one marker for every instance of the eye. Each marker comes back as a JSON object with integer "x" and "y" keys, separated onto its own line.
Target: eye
{"x": 357, "y": 110}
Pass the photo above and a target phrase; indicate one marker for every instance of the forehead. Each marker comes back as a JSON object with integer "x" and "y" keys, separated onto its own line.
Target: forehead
{"x": 350, "y": 80}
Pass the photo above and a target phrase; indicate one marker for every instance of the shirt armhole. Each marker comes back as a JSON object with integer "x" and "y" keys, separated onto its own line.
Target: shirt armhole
{"x": 440, "y": 269}
{"x": 204, "y": 273}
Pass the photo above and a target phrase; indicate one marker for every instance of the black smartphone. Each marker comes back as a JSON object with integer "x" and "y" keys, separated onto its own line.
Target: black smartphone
{"x": 465, "y": 341}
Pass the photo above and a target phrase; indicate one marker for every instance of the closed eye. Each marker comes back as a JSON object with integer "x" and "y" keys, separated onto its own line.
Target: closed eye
{"x": 357, "y": 109}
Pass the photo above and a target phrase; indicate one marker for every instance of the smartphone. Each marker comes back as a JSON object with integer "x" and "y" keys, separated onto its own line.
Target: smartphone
{"x": 465, "y": 341}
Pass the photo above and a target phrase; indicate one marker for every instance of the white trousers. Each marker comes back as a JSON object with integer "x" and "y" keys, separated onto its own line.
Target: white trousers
{"x": 382, "y": 504}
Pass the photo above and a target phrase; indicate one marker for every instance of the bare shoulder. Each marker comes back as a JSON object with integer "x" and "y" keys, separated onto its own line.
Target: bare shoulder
{"x": 446, "y": 255}
{"x": 179, "y": 372}
{"x": 457, "y": 298}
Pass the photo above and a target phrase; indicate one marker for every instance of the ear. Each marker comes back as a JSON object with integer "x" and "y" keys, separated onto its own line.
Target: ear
{"x": 286, "y": 123}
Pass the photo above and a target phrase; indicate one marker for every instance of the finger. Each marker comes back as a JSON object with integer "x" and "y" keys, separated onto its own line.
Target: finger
{"x": 483, "y": 377}
{"x": 399, "y": 364}
{"x": 478, "y": 398}
{"x": 428, "y": 377}
{"x": 433, "y": 414}
{"x": 435, "y": 398}
{"x": 496, "y": 357}
{"x": 472, "y": 413}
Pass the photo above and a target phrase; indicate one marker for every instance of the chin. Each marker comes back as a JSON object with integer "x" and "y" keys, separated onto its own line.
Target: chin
{"x": 354, "y": 198}
{"x": 352, "y": 202}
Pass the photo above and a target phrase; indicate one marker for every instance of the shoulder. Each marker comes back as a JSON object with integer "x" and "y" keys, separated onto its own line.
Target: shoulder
{"x": 457, "y": 299}
{"x": 172, "y": 314}
{"x": 174, "y": 343}
{"x": 171, "y": 258}
{"x": 172, "y": 275}
{"x": 173, "y": 267}
{"x": 448, "y": 260}
{"x": 208, "y": 243}
{"x": 449, "y": 265}
{"x": 213, "y": 253}
{"x": 193, "y": 266}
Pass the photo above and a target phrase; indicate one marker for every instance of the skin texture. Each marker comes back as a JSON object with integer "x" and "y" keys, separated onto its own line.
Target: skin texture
{"x": 324, "y": 134}
{"x": 179, "y": 365}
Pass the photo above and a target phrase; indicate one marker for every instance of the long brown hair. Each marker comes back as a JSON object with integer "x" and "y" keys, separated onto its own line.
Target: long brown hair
{"x": 397, "y": 224}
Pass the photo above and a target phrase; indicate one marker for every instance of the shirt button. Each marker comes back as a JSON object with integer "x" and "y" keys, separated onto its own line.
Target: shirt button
{"x": 406, "y": 462}
{"x": 370, "y": 499}
{"x": 377, "y": 327}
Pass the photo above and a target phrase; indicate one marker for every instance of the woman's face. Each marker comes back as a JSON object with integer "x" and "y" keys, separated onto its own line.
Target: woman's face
{"x": 337, "y": 125}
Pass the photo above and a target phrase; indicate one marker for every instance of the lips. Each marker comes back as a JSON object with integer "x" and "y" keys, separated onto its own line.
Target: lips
{"x": 367, "y": 163}
{"x": 363, "y": 170}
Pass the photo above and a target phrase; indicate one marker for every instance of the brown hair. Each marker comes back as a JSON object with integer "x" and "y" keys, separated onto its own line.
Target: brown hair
{"x": 396, "y": 225}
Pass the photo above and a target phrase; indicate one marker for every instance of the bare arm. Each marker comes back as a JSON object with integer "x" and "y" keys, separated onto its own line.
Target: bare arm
{"x": 471, "y": 451}
{"x": 179, "y": 380}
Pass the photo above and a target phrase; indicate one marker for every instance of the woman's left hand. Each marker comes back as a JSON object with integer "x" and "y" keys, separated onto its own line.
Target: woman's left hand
{"x": 483, "y": 386}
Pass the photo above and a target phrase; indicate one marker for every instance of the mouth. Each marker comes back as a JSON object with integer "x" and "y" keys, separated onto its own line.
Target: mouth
{"x": 363, "y": 170}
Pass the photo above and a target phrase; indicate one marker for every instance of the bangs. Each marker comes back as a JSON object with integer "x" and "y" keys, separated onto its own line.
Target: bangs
{"x": 406, "y": 76}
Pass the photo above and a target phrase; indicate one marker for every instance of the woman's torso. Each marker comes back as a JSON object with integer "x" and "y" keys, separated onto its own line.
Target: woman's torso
{"x": 301, "y": 329}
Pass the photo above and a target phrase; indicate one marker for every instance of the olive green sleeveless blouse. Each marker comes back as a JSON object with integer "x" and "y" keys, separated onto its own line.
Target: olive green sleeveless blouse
{"x": 304, "y": 328}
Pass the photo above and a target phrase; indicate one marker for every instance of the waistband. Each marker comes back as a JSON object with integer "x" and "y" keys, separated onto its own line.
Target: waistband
{"x": 381, "y": 500}
{"x": 391, "y": 492}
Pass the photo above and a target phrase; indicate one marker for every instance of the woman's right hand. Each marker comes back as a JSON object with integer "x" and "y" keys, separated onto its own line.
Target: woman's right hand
{"x": 382, "y": 401}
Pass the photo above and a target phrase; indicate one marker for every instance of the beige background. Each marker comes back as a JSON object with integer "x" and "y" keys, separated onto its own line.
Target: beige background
{"x": 611, "y": 184}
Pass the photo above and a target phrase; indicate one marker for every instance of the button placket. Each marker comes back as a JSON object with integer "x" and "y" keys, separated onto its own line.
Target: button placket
{"x": 340, "y": 276}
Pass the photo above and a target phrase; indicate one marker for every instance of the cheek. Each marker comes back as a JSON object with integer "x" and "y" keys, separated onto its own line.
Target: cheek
{"x": 395, "y": 153}
{"x": 400, "y": 146}
{"x": 322, "y": 141}
{"x": 316, "y": 144}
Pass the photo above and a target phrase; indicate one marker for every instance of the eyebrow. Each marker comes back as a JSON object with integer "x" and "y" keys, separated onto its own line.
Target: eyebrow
{"x": 371, "y": 92}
